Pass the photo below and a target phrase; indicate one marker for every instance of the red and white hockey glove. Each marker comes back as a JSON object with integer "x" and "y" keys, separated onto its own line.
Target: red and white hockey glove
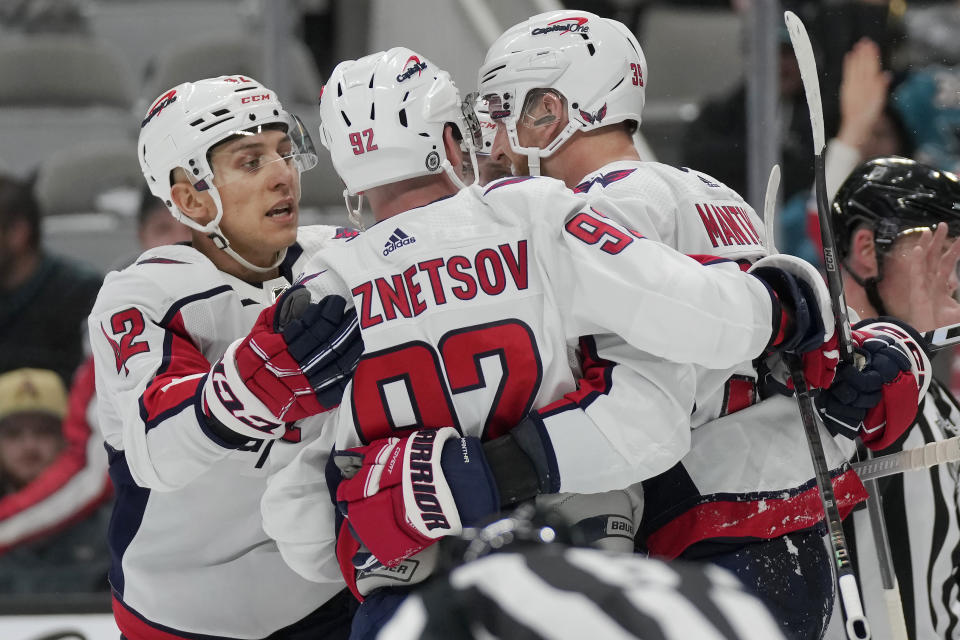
{"x": 401, "y": 495}
{"x": 804, "y": 326}
{"x": 879, "y": 402}
{"x": 294, "y": 363}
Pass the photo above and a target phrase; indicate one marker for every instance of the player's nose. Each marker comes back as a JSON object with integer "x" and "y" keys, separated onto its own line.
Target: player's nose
{"x": 501, "y": 145}
{"x": 280, "y": 173}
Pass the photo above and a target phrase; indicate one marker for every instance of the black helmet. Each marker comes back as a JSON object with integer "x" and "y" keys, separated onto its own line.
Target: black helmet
{"x": 891, "y": 195}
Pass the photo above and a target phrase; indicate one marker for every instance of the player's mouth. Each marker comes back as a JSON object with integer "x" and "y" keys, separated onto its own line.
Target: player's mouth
{"x": 283, "y": 211}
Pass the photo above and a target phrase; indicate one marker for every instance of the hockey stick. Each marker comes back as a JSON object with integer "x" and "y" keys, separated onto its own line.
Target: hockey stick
{"x": 769, "y": 206}
{"x": 942, "y": 337}
{"x": 881, "y": 541}
{"x": 807, "y": 414}
{"x": 917, "y": 459}
{"x": 851, "y": 604}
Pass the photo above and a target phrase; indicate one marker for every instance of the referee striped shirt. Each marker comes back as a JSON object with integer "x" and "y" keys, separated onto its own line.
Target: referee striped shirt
{"x": 553, "y": 592}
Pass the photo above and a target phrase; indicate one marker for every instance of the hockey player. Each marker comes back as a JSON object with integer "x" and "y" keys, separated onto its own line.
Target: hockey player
{"x": 896, "y": 224}
{"x": 468, "y": 299}
{"x": 567, "y": 89}
{"x": 205, "y": 373}
{"x": 488, "y": 167}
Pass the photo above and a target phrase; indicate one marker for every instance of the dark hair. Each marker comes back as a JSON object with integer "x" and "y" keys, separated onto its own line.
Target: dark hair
{"x": 17, "y": 202}
{"x": 148, "y": 202}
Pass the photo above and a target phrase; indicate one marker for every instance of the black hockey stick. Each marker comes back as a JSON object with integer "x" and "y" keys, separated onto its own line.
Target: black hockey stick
{"x": 942, "y": 337}
{"x": 849, "y": 593}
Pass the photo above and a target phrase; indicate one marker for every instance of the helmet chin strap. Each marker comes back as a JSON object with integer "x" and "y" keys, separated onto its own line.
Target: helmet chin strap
{"x": 536, "y": 154}
{"x": 212, "y": 231}
{"x": 454, "y": 178}
{"x": 354, "y": 215}
{"x": 533, "y": 163}
{"x": 870, "y": 286}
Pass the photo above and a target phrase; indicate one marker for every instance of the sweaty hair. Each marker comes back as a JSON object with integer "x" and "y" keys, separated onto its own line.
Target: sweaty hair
{"x": 17, "y": 202}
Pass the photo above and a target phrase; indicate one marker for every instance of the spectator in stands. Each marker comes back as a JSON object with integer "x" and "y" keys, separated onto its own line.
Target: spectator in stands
{"x": 155, "y": 226}
{"x": 928, "y": 100}
{"x": 716, "y": 141}
{"x": 53, "y": 487}
{"x": 870, "y": 127}
{"x": 44, "y": 298}
{"x": 32, "y": 407}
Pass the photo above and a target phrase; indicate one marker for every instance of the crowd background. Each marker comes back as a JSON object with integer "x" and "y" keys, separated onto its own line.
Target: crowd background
{"x": 77, "y": 75}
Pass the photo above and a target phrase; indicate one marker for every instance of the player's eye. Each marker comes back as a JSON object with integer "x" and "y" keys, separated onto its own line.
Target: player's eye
{"x": 252, "y": 163}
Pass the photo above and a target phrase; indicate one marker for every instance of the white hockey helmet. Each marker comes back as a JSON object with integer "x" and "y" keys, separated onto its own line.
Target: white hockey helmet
{"x": 595, "y": 63}
{"x": 382, "y": 118}
{"x": 183, "y": 125}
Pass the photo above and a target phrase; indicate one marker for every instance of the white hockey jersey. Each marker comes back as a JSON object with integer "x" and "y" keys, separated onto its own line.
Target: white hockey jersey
{"x": 748, "y": 474}
{"x": 190, "y": 553}
{"x": 467, "y": 308}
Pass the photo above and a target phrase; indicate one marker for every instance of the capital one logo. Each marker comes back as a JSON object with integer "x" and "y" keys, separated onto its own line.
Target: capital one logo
{"x": 564, "y": 25}
{"x": 409, "y": 69}
{"x": 162, "y": 103}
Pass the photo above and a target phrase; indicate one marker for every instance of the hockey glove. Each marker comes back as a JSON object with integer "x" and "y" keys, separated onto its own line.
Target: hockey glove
{"x": 879, "y": 402}
{"x": 400, "y": 495}
{"x": 294, "y": 363}
{"x": 605, "y": 520}
{"x": 804, "y": 325}
{"x": 523, "y": 461}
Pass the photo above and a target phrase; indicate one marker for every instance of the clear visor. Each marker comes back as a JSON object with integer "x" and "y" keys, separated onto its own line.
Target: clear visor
{"x": 259, "y": 149}
{"x": 488, "y": 128}
{"x": 474, "y": 131}
{"x": 500, "y": 106}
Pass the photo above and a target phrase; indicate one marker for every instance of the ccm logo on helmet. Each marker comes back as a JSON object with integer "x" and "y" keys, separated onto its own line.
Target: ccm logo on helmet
{"x": 566, "y": 25}
{"x": 259, "y": 98}
{"x": 408, "y": 70}
{"x": 162, "y": 103}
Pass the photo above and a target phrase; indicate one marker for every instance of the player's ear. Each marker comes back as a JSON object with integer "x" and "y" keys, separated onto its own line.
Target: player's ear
{"x": 451, "y": 146}
{"x": 554, "y": 106}
{"x": 862, "y": 259}
{"x": 189, "y": 201}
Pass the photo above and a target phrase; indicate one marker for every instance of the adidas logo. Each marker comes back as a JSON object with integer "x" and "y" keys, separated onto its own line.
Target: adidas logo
{"x": 397, "y": 239}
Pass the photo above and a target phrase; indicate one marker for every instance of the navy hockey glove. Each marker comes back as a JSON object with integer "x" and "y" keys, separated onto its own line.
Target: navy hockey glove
{"x": 804, "y": 324}
{"x": 523, "y": 461}
{"x": 879, "y": 402}
{"x": 294, "y": 363}
{"x": 401, "y": 495}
